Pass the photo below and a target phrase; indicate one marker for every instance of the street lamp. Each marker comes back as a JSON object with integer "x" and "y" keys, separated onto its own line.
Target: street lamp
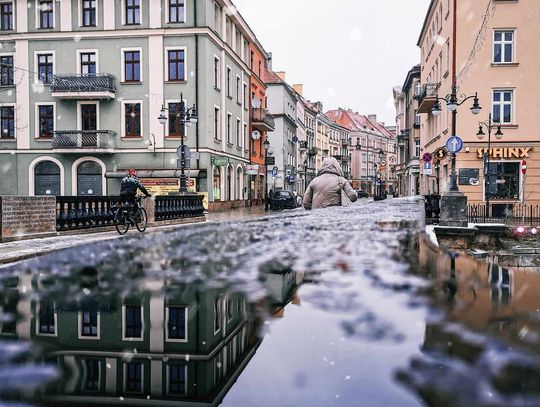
{"x": 187, "y": 117}
{"x": 305, "y": 175}
{"x": 452, "y": 102}
{"x": 358, "y": 146}
{"x": 379, "y": 179}
{"x": 489, "y": 125}
{"x": 266, "y": 147}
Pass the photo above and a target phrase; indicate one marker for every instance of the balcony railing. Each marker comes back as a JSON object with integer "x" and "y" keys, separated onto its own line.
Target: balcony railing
{"x": 343, "y": 158}
{"x": 83, "y": 86}
{"x": 427, "y": 97}
{"x": 83, "y": 139}
{"x": 262, "y": 119}
{"x": 346, "y": 142}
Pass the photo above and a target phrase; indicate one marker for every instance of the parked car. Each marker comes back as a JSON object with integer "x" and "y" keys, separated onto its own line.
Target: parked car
{"x": 282, "y": 200}
{"x": 362, "y": 194}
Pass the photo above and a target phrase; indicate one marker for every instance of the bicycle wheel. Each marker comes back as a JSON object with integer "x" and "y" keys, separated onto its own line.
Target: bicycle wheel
{"x": 141, "y": 220}
{"x": 120, "y": 222}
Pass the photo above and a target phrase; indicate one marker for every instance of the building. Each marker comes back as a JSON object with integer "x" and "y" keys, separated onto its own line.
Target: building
{"x": 282, "y": 100}
{"x": 408, "y": 134}
{"x": 302, "y": 136}
{"x": 495, "y": 57}
{"x": 371, "y": 145}
{"x": 308, "y": 148}
{"x": 83, "y": 85}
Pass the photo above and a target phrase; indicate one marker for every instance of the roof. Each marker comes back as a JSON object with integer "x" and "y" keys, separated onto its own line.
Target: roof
{"x": 358, "y": 122}
{"x": 413, "y": 73}
{"x": 270, "y": 77}
{"x": 426, "y": 21}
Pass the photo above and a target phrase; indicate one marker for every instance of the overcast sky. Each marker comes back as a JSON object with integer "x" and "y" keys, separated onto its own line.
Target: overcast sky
{"x": 347, "y": 53}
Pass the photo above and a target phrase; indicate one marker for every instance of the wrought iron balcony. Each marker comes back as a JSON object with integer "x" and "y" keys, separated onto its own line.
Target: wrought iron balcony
{"x": 343, "y": 158}
{"x": 83, "y": 86}
{"x": 346, "y": 142}
{"x": 83, "y": 140}
{"x": 427, "y": 97}
{"x": 262, "y": 120}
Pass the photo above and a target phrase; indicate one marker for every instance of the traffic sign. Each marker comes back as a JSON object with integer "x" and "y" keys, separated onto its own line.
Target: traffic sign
{"x": 427, "y": 157}
{"x": 274, "y": 172}
{"x": 183, "y": 152}
{"x": 524, "y": 167}
{"x": 270, "y": 160}
{"x": 441, "y": 153}
{"x": 454, "y": 144}
{"x": 428, "y": 168}
{"x": 275, "y": 169}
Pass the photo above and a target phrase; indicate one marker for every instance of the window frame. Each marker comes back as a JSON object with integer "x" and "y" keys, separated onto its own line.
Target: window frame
{"x": 38, "y": 321}
{"x": 502, "y": 43}
{"x": 13, "y": 19}
{"x": 186, "y": 327}
{"x": 123, "y": 113}
{"x": 228, "y": 77}
{"x": 501, "y": 103}
{"x": 80, "y": 326}
{"x": 10, "y": 71}
{"x": 37, "y": 54}
{"x": 37, "y": 120}
{"x": 125, "y": 324}
{"x": 167, "y": 71}
{"x": 125, "y": 377}
{"x": 123, "y": 52}
{"x": 13, "y": 119}
{"x": 493, "y": 198}
{"x": 126, "y": 7}
{"x": 81, "y": 10}
{"x": 85, "y": 375}
{"x": 168, "y": 12}
{"x": 217, "y": 73}
{"x": 228, "y": 128}
{"x": 39, "y": 14}
{"x": 239, "y": 89}
{"x": 79, "y": 53}
{"x": 217, "y": 123}
{"x": 177, "y": 365}
{"x": 168, "y": 102}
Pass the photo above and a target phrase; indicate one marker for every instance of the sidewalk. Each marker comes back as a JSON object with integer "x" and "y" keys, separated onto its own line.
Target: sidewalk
{"x": 11, "y": 252}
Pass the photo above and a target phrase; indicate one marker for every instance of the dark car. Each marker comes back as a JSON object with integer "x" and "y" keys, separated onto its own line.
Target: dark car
{"x": 362, "y": 194}
{"x": 283, "y": 200}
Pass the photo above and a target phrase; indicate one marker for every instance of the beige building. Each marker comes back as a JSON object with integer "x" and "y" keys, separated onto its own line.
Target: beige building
{"x": 496, "y": 55}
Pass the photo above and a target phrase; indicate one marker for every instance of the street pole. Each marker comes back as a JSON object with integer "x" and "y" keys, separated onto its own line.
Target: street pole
{"x": 183, "y": 183}
{"x": 487, "y": 170}
{"x": 266, "y": 179}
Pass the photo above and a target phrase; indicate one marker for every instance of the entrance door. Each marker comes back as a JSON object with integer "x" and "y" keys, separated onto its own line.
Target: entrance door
{"x": 89, "y": 117}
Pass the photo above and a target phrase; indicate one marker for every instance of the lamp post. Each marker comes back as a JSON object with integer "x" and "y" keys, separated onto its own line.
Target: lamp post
{"x": 453, "y": 103}
{"x": 266, "y": 147}
{"x": 379, "y": 181}
{"x": 489, "y": 125}
{"x": 186, "y": 117}
{"x": 305, "y": 175}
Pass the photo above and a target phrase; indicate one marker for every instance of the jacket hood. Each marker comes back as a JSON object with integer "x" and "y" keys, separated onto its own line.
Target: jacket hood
{"x": 331, "y": 166}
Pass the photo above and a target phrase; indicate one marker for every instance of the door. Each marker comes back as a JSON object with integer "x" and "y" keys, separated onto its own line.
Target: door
{"x": 89, "y": 179}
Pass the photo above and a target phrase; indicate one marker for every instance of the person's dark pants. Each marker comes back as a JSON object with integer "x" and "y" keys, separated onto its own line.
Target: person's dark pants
{"x": 130, "y": 199}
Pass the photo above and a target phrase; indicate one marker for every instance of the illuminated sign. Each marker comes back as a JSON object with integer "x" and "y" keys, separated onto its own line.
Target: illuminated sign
{"x": 505, "y": 152}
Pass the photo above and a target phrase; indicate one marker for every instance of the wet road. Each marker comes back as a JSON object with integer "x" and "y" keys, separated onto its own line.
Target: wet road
{"x": 339, "y": 307}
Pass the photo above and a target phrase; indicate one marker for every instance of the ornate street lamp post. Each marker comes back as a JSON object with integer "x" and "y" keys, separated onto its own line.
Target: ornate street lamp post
{"x": 489, "y": 125}
{"x": 266, "y": 147}
{"x": 305, "y": 175}
{"x": 186, "y": 117}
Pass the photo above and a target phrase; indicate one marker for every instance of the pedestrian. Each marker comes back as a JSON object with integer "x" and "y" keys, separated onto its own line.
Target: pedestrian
{"x": 326, "y": 189}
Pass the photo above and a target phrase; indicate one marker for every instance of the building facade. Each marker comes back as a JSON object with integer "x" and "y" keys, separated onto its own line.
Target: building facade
{"x": 84, "y": 82}
{"x": 495, "y": 58}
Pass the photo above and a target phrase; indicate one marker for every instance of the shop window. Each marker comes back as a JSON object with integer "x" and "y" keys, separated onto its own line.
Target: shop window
{"x": 504, "y": 181}
{"x": 89, "y": 179}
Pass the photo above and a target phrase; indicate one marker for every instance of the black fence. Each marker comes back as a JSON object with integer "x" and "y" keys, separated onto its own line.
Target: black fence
{"x": 84, "y": 212}
{"x": 432, "y": 204}
{"x": 508, "y": 214}
{"x": 176, "y": 207}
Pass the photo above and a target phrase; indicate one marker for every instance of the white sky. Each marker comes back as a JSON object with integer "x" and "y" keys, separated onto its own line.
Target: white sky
{"x": 347, "y": 53}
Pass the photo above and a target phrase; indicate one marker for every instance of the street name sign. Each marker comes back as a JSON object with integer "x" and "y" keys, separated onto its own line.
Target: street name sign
{"x": 270, "y": 160}
{"x": 454, "y": 144}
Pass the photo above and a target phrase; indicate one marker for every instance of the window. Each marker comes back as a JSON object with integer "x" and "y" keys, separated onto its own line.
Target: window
{"x": 133, "y": 322}
{"x": 217, "y": 316}
{"x": 6, "y": 16}
{"x": 89, "y": 179}
{"x": 177, "y": 380}
{"x": 47, "y": 179}
{"x": 7, "y": 122}
{"x": 91, "y": 375}
{"x": 6, "y": 70}
{"x": 176, "y": 65}
{"x": 45, "y": 67}
{"x": 502, "y": 106}
{"x": 229, "y": 135}
{"x": 89, "y": 324}
{"x": 46, "y": 14}
{"x": 217, "y": 71}
{"x": 417, "y": 148}
{"x": 88, "y": 63}
{"x": 176, "y": 325}
{"x": 503, "y": 47}
{"x": 217, "y": 18}
{"x": 46, "y": 120}
{"x": 46, "y": 319}
{"x": 176, "y": 11}
{"x": 252, "y": 57}
{"x": 238, "y": 133}
{"x": 134, "y": 377}
{"x": 132, "y": 120}
{"x": 132, "y": 66}
{"x": 229, "y": 72}
{"x": 217, "y": 125}
{"x": 238, "y": 89}
{"x": 245, "y": 96}
{"x": 238, "y": 41}
{"x": 504, "y": 180}
{"x": 133, "y": 12}
{"x": 89, "y": 13}
{"x": 260, "y": 69}
{"x": 174, "y": 120}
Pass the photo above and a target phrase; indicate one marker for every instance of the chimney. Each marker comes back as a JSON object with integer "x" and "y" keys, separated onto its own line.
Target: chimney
{"x": 299, "y": 88}
{"x": 372, "y": 118}
{"x": 269, "y": 61}
{"x": 281, "y": 74}
{"x": 319, "y": 106}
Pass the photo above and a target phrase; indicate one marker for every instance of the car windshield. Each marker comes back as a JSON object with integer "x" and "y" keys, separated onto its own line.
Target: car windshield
{"x": 284, "y": 194}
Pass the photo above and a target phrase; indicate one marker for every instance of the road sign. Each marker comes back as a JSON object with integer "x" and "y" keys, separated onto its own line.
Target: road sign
{"x": 454, "y": 144}
{"x": 379, "y": 181}
{"x": 428, "y": 168}
{"x": 427, "y": 157}
{"x": 274, "y": 172}
{"x": 185, "y": 150}
{"x": 524, "y": 167}
{"x": 441, "y": 153}
{"x": 270, "y": 160}
{"x": 252, "y": 169}
{"x": 275, "y": 168}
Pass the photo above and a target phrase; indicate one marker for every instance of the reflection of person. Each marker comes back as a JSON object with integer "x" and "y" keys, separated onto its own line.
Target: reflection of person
{"x": 325, "y": 189}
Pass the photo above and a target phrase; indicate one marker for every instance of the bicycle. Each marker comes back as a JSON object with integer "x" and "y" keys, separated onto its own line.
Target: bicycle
{"x": 123, "y": 217}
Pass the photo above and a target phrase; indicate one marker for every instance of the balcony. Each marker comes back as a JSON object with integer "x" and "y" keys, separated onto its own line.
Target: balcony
{"x": 427, "y": 97}
{"x": 82, "y": 87}
{"x": 346, "y": 142}
{"x": 85, "y": 140}
{"x": 313, "y": 151}
{"x": 303, "y": 145}
{"x": 343, "y": 158}
{"x": 262, "y": 120}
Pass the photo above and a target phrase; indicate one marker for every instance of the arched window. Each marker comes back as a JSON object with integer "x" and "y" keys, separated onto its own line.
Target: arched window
{"x": 239, "y": 186}
{"x": 47, "y": 179}
{"x": 89, "y": 179}
{"x": 217, "y": 184}
{"x": 230, "y": 184}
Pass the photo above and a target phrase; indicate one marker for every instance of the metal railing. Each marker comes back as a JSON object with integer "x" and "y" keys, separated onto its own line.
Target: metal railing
{"x": 508, "y": 214}
{"x": 260, "y": 115}
{"x": 346, "y": 142}
{"x": 427, "y": 90}
{"x": 75, "y": 139}
{"x": 342, "y": 158}
{"x": 181, "y": 206}
{"x": 84, "y": 212}
{"x": 83, "y": 83}
{"x": 432, "y": 206}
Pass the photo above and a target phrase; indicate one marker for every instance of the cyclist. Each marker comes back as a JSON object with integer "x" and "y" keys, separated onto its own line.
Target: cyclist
{"x": 128, "y": 189}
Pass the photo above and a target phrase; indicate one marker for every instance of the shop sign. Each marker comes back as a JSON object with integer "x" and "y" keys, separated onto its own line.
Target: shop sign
{"x": 252, "y": 169}
{"x": 220, "y": 161}
{"x": 191, "y": 184}
{"x": 469, "y": 176}
{"x": 161, "y": 186}
{"x": 506, "y": 152}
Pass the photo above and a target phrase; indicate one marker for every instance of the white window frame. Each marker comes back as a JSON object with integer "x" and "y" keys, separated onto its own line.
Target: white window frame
{"x": 125, "y": 378}
{"x": 55, "y": 334}
{"x": 167, "y": 339}
{"x": 13, "y": 16}
{"x": 167, "y": 4}
{"x": 86, "y": 51}
{"x": 166, "y": 56}
{"x": 123, "y": 123}
{"x": 239, "y": 89}
{"x": 36, "y": 117}
{"x": 217, "y": 84}
{"x": 31, "y": 173}
{"x": 10, "y": 54}
{"x": 123, "y": 11}
{"x": 219, "y": 311}
{"x": 502, "y": 103}
{"x": 80, "y": 17}
{"x": 36, "y": 59}
{"x": 79, "y": 111}
{"x": 79, "y": 327}
{"x": 37, "y": 15}
{"x": 245, "y": 133}
{"x": 228, "y": 128}
{"x": 14, "y": 106}
{"x": 503, "y": 42}
{"x": 219, "y": 124}
{"x": 227, "y": 81}
{"x": 239, "y": 132}
{"x": 132, "y": 339}
{"x": 169, "y": 377}
{"x": 123, "y": 66}
{"x": 417, "y": 148}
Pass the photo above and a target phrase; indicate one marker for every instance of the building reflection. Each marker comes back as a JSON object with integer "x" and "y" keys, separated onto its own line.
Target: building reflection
{"x": 167, "y": 343}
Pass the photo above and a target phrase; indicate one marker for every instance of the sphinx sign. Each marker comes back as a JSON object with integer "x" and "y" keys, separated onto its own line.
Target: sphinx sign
{"x": 505, "y": 152}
